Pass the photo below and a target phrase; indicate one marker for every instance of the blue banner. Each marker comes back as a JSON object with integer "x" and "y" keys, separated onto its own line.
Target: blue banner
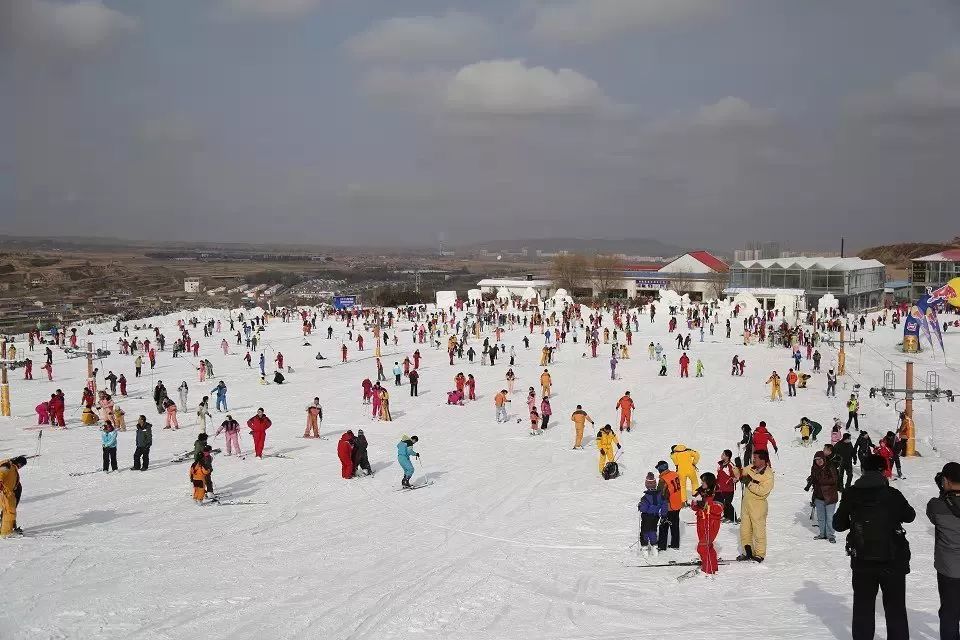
{"x": 344, "y": 302}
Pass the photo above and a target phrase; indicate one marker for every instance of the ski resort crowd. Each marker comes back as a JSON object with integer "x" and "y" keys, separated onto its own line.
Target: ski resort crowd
{"x": 869, "y": 508}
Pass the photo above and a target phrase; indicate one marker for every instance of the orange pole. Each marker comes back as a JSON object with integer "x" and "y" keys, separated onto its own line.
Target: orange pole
{"x": 908, "y": 414}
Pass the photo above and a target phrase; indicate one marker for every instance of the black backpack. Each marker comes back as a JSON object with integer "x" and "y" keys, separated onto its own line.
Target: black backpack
{"x": 610, "y": 471}
{"x": 875, "y": 537}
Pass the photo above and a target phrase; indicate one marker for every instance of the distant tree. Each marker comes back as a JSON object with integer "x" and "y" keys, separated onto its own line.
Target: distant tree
{"x": 569, "y": 271}
{"x": 717, "y": 283}
{"x": 681, "y": 280}
{"x": 606, "y": 273}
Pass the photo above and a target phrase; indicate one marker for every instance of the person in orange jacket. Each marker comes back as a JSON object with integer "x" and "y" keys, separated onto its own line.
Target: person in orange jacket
{"x": 545, "y": 382}
{"x": 258, "y": 425}
{"x": 500, "y": 401}
{"x": 579, "y": 419}
{"x": 792, "y": 383}
{"x": 198, "y": 477}
{"x": 669, "y": 485}
{"x": 709, "y": 512}
{"x": 626, "y": 406}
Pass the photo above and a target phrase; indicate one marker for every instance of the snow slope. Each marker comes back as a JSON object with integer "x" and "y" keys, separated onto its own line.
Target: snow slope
{"x": 518, "y": 537}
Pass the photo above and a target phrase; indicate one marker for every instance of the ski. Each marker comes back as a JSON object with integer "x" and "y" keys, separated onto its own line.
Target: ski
{"x": 690, "y": 563}
{"x": 277, "y": 455}
{"x": 85, "y": 473}
{"x": 686, "y": 575}
{"x": 231, "y": 503}
{"x": 416, "y": 486}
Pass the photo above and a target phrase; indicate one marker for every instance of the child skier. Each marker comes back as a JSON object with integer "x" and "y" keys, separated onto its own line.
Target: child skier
{"x": 653, "y": 508}
{"x": 709, "y": 513}
{"x": 404, "y": 451}
{"x": 198, "y": 477}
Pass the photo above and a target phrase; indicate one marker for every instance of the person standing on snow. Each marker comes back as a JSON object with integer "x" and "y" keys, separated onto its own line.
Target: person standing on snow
{"x": 10, "y": 492}
{"x": 231, "y": 430}
{"x": 684, "y": 366}
{"x": 414, "y": 381}
{"x": 727, "y": 475}
{"x": 404, "y": 452}
{"x": 944, "y": 513}
{"x": 626, "y": 406}
{"x": 709, "y": 513}
{"x": 762, "y": 439}
{"x": 183, "y": 389}
{"x": 823, "y": 479}
{"x": 545, "y": 382}
{"x": 669, "y": 486}
{"x": 853, "y": 406}
{"x": 686, "y": 462}
{"x": 359, "y": 454}
{"x": 653, "y": 509}
{"x": 757, "y": 482}
{"x": 774, "y": 382}
{"x": 606, "y": 440}
{"x": 108, "y": 440}
{"x": 141, "y": 456}
{"x": 258, "y": 425}
{"x": 874, "y": 513}
{"x": 579, "y": 418}
{"x": 314, "y": 417}
{"x": 221, "y": 391}
{"x": 345, "y": 453}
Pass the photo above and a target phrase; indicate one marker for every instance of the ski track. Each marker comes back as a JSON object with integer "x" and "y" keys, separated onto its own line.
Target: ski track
{"x": 518, "y": 537}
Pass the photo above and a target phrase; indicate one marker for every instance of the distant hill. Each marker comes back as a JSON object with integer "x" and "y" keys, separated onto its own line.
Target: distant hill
{"x": 628, "y": 246}
{"x": 899, "y": 255}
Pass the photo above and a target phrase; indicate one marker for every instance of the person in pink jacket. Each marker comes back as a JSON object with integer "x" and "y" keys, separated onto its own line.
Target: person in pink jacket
{"x": 225, "y": 346}
{"x": 376, "y": 400}
{"x": 171, "y": 409}
{"x": 545, "y": 412}
{"x": 836, "y": 431}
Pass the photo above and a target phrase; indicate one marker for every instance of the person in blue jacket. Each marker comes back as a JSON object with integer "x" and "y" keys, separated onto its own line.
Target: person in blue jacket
{"x": 221, "y": 391}
{"x": 109, "y": 441}
{"x": 653, "y": 507}
{"x": 263, "y": 365}
{"x": 404, "y": 451}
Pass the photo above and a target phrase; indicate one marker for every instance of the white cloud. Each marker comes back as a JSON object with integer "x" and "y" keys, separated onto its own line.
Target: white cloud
{"x": 727, "y": 113}
{"x": 70, "y": 28}
{"x": 445, "y": 37}
{"x": 584, "y": 21}
{"x": 274, "y": 9}
{"x": 493, "y": 88}
{"x": 510, "y": 87}
{"x": 918, "y": 93}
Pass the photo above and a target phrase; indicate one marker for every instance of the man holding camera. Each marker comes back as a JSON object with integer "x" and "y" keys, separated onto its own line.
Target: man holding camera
{"x": 944, "y": 513}
{"x": 874, "y": 513}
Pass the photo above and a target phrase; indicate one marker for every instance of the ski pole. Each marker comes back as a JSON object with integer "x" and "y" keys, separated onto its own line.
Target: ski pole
{"x": 39, "y": 437}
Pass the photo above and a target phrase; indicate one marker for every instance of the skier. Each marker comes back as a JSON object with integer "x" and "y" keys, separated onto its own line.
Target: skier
{"x": 183, "y": 390}
{"x": 221, "y": 391}
{"x": 170, "y": 408}
{"x": 345, "y": 453}
{"x": 774, "y": 382}
{"x": 699, "y": 368}
{"x": 727, "y": 475}
{"x": 141, "y": 456}
{"x": 545, "y": 382}
{"x": 684, "y": 366}
{"x": 414, "y": 380}
{"x": 709, "y": 513}
{"x": 832, "y": 384}
{"x": 404, "y": 451}
{"x": 626, "y": 406}
{"x": 203, "y": 412}
{"x": 314, "y": 415}
{"x": 762, "y": 438}
{"x": 258, "y": 425}
{"x": 613, "y": 367}
{"x": 669, "y": 486}
{"x": 686, "y": 461}
{"x": 606, "y": 439}
{"x": 500, "y": 401}
{"x": 231, "y": 433}
{"x": 397, "y": 374}
{"x": 579, "y": 418}
{"x": 199, "y": 476}
{"x": 359, "y": 454}
{"x": 757, "y": 482}
{"x": 792, "y": 383}
{"x": 545, "y": 412}
{"x": 10, "y": 492}
{"x": 122, "y": 380}
{"x": 263, "y": 364}
{"x": 108, "y": 440}
{"x": 653, "y": 509}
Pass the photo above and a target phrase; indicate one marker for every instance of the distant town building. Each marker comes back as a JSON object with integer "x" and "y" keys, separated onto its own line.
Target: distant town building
{"x": 191, "y": 285}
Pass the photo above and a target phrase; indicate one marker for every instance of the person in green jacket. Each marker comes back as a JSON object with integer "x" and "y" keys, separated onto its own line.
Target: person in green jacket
{"x": 815, "y": 427}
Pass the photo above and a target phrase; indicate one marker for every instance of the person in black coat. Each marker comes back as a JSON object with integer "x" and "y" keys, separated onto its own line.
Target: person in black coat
{"x": 141, "y": 457}
{"x": 874, "y": 512}
{"x": 863, "y": 447}
{"x": 359, "y": 453}
{"x": 844, "y": 449}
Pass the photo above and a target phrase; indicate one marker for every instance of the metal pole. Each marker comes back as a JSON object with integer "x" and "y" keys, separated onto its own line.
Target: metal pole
{"x": 4, "y": 383}
{"x": 91, "y": 382}
{"x": 908, "y": 412}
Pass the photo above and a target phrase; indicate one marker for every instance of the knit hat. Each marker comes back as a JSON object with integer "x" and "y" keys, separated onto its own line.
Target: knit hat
{"x": 651, "y": 481}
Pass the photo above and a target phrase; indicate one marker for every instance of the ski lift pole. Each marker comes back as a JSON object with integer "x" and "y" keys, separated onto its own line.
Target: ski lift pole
{"x": 4, "y": 383}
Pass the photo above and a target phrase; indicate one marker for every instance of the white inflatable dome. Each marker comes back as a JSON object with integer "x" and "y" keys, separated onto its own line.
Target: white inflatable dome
{"x": 829, "y": 301}
{"x": 446, "y": 299}
{"x": 746, "y": 301}
{"x": 474, "y": 294}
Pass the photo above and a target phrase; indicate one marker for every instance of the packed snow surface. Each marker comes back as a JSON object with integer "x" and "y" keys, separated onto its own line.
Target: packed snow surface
{"x": 517, "y": 538}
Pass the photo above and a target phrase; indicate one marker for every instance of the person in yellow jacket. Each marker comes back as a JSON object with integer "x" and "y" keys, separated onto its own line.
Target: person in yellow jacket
{"x": 757, "y": 482}
{"x": 579, "y": 418}
{"x": 545, "y": 382}
{"x": 10, "y": 490}
{"x": 774, "y": 382}
{"x": 686, "y": 461}
{"x": 607, "y": 443}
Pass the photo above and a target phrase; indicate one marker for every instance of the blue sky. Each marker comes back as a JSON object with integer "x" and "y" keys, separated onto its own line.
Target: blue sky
{"x": 700, "y": 122}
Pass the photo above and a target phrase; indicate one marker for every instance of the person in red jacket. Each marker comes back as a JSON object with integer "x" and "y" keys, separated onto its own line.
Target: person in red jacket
{"x": 762, "y": 438}
{"x": 258, "y": 429}
{"x": 57, "y": 406}
{"x": 727, "y": 476}
{"x": 708, "y": 513}
{"x": 684, "y": 366}
{"x": 343, "y": 352}
{"x": 471, "y": 388}
{"x": 345, "y": 453}
{"x": 416, "y": 359}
